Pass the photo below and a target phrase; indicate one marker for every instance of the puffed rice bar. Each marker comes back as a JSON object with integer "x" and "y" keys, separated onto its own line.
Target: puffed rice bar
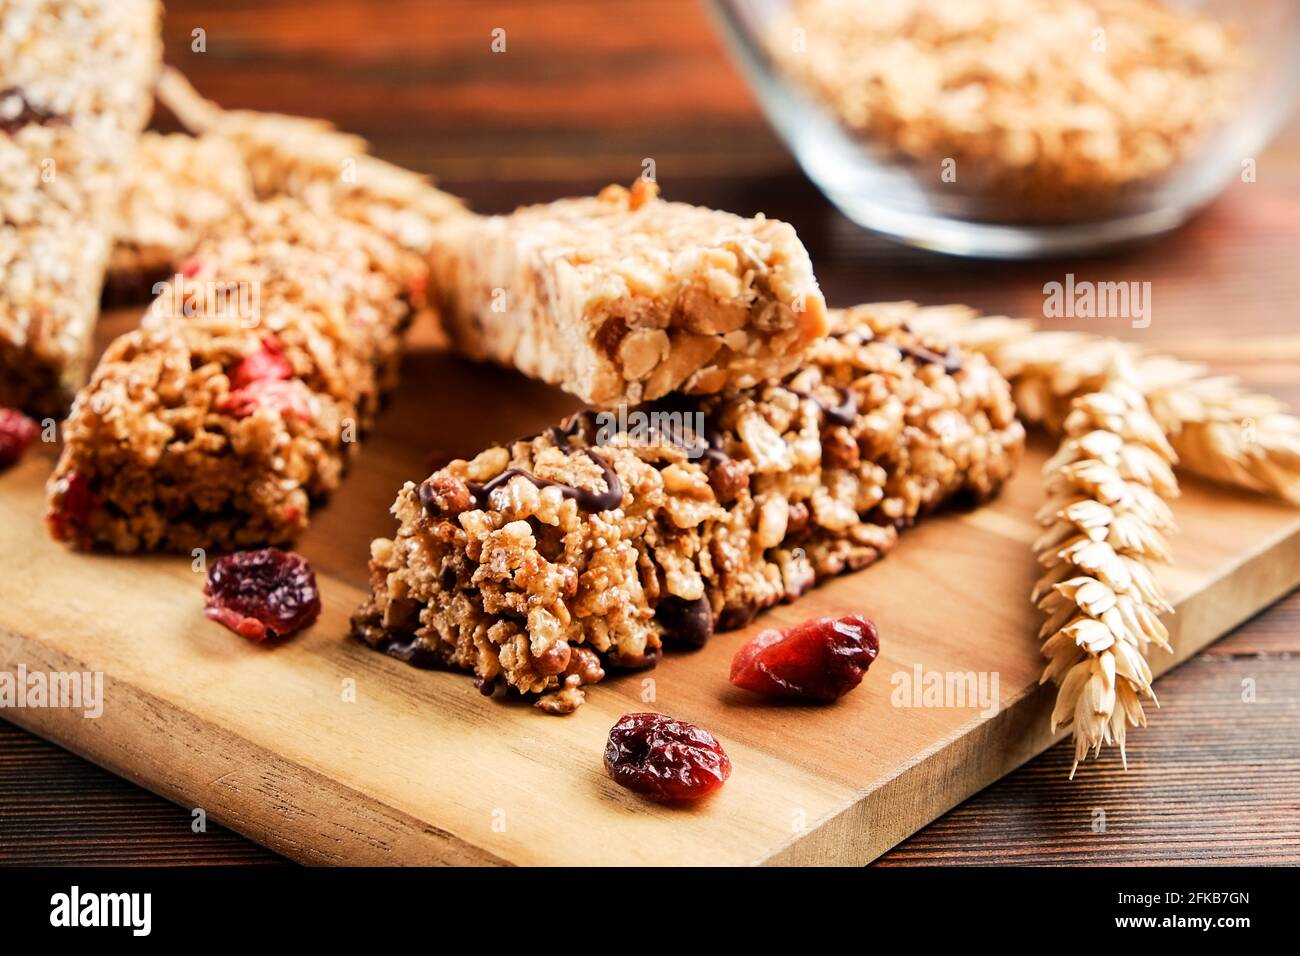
{"x": 239, "y": 400}
{"x": 541, "y": 564}
{"x": 76, "y": 81}
{"x": 624, "y": 298}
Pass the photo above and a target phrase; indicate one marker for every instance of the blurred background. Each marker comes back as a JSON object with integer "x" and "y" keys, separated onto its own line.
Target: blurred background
{"x": 583, "y": 91}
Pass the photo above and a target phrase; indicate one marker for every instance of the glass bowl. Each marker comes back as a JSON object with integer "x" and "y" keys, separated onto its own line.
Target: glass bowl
{"x": 977, "y": 153}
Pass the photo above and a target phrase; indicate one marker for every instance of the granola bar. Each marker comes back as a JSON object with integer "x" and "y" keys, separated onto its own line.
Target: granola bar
{"x": 180, "y": 186}
{"x": 625, "y": 298}
{"x": 177, "y": 189}
{"x": 239, "y": 399}
{"x": 76, "y": 82}
{"x": 544, "y": 563}
{"x": 310, "y": 159}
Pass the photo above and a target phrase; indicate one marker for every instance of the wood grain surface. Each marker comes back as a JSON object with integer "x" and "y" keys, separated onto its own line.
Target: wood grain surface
{"x": 585, "y": 91}
{"x": 331, "y": 753}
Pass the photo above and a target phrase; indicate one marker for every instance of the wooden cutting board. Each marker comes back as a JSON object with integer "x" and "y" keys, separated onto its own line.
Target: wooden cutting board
{"x": 331, "y": 753}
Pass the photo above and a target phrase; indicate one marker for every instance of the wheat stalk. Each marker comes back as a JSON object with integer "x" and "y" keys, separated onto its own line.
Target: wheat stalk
{"x": 1126, "y": 416}
{"x": 1219, "y": 430}
{"x": 1105, "y": 519}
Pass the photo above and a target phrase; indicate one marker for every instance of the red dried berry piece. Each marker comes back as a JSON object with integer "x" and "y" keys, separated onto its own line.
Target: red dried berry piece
{"x": 73, "y": 501}
{"x": 665, "y": 759}
{"x": 260, "y": 594}
{"x": 190, "y": 268}
{"x": 266, "y": 363}
{"x": 17, "y": 431}
{"x": 287, "y": 398}
{"x": 417, "y": 287}
{"x": 821, "y": 659}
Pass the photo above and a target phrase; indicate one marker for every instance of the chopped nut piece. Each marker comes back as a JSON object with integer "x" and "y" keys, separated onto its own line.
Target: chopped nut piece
{"x": 445, "y": 495}
{"x": 728, "y": 479}
{"x": 839, "y": 450}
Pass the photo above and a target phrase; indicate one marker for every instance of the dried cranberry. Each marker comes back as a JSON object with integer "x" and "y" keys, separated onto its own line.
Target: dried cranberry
{"x": 73, "y": 501}
{"x": 665, "y": 759}
{"x": 821, "y": 659}
{"x": 17, "y": 431}
{"x": 417, "y": 287}
{"x": 267, "y": 363}
{"x": 260, "y": 594}
{"x": 287, "y": 398}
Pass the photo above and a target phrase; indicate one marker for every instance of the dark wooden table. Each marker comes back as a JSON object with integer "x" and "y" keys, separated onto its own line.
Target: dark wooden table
{"x": 587, "y": 89}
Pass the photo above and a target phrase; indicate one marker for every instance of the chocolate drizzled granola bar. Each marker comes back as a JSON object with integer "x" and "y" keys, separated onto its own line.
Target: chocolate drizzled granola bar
{"x": 239, "y": 399}
{"x": 544, "y": 563}
{"x": 76, "y": 82}
{"x": 625, "y": 298}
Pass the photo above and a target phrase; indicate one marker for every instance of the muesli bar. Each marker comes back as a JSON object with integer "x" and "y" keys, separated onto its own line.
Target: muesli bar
{"x": 623, "y": 298}
{"x": 177, "y": 189}
{"x": 311, "y": 160}
{"x": 542, "y": 564}
{"x": 76, "y": 80}
{"x": 241, "y": 397}
{"x": 180, "y": 186}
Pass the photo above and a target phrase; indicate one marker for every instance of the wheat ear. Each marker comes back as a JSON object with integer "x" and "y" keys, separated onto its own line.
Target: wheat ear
{"x": 1220, "y": 430}
{"x": 1105, "y": 518}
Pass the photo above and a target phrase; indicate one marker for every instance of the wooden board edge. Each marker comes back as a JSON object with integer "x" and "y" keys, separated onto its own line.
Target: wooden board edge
{"x": 244, "y": 777}
{"x": 248, "y": 774}
{"x": 974, "y": 759}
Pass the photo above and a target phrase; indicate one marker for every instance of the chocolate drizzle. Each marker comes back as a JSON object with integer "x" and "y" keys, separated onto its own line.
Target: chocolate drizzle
{"x": 587, "y": 500}
{"x": 409, "y": 650}
{"x": 951, "y": 361}
{"x": 400, "y": 642}
{"x": 690, "y": 405}
{"x": 841, "y": 414}
{"x": 713, "y": 438}
{"x": 685, "y": 622}
{"x": 564, "y": 433}
{"x": 16, "y": 111}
